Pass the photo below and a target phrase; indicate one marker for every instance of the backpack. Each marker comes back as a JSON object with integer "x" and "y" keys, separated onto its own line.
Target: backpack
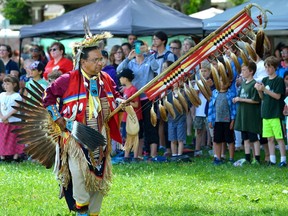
{"x": 165, "y": 56}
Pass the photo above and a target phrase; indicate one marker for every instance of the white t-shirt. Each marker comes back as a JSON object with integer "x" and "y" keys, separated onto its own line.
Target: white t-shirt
{"x": 200, "y": 110}
{"x": 260, "y": 72}
{"x": 6, "y": 103}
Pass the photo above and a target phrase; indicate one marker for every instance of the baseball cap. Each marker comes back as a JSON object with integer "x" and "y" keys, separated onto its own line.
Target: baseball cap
{"x": 126, "y": 73}
{"x": 37, "y": 65}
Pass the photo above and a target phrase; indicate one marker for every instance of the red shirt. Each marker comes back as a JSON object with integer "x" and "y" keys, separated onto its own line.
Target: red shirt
{"x": 64, "y": 65}
{"x": 128, "y": 92}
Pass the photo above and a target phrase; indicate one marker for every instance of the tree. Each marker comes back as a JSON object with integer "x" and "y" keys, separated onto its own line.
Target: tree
{"x": 17, "y": 11}
{"x": 191, "y": 6}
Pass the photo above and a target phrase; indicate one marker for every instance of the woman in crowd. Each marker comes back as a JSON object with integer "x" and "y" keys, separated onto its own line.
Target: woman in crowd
{"x": 5, "y": 55}
{"x": 58, "y": 61}
{"x": 116, "y": 56}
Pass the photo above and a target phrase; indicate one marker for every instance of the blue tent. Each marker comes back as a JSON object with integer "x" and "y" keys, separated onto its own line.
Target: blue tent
{"x": 277, "y": 21}
{"x": 120, "y": 17}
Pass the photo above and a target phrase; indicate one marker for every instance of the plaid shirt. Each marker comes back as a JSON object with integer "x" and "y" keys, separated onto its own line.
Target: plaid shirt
{"x": 212, "y": 111}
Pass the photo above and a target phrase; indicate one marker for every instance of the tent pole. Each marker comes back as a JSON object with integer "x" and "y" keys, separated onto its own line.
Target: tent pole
{"x": 20, "y": 53}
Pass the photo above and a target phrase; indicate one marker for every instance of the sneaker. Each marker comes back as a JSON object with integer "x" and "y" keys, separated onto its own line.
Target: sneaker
{"x": 217, "y": 162}
{"x": 161, "y": 150}
{"x": 126, "y": 159}
{"x": 255, "y": 162}
{"x": 198, "y": 153}
{"x": 271, "y": 163}
{"x": 136, "y": 160}
{"x": 158, "y": 159}
{"x": 283, "y": 164}
{"x": 81, "y": 214}
{"x": 231, "y": 160}
{"x": 240, "y": 162}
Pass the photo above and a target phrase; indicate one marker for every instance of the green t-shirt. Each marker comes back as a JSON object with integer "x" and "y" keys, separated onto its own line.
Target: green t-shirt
{"x": 248, "y": 116}
{"x": 272, "y": 108}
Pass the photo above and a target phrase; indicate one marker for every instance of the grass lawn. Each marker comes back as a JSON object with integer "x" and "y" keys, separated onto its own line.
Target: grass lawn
{"x": 144, "y": 189}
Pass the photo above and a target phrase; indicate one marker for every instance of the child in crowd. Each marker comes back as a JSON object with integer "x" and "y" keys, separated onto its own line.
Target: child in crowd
{"x": 176, "y": 128}
{"x": 199, "y": 113}
{"x": 36, "y": 74}
{"x": 26, "y": 74}
{"x": 126, "y": 76}
{"x": 221, "y": 116}
{"x": 248, "y": 118}
{"x": 272, "y": 92}
{"x": 8, "y": 140}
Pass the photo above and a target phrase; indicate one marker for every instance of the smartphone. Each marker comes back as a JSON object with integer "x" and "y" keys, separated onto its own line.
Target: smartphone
{"x": 137, "y": 48}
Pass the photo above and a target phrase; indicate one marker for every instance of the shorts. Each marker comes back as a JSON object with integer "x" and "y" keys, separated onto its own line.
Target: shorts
{"x": 263, "y": 140}
{"x": 273, "y": 128}
{"x": 150, "y": 133}
{"x": 177, "y": 131}
{"x": 222, "y": 133}
{"x": 199, "y": 122}
{"x": 252, "y": 137}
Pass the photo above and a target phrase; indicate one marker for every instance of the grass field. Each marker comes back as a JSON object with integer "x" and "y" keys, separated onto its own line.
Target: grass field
{"x": 196, "y": 188}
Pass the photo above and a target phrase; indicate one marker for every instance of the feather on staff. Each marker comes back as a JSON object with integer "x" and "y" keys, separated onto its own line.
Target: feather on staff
{"x": 259, "y": 47}
{"x": 194, "y": 94}
{"x": 177, "y": 104}
{"x": 153, "y": 116}
{"x": 215, "y": 77}
{"x": 229, "y": 68}
{"x": 222, "y": 72}
{"x": 236, "y": 62}
{"x": 190, "y": 96}
{"x": 169, "y": 107}
{"x": 163, "y": 113}
{"x": 250, "y": 51}
{"x": 182, "y": 100}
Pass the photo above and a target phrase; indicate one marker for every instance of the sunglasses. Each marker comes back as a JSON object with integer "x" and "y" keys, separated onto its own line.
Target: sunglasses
{"x": 53, "y": 49}
{"x": 34, "y": 50}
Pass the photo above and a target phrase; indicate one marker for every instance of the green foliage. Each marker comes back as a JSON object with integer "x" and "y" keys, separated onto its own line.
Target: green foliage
{"x": 17, "y": 11}
{"x": 180, "y": 189}
{"x": 191, "y": 6}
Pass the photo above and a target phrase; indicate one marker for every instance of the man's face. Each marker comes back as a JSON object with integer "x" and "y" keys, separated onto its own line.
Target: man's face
{"x": 284, "y": 54}
{"x": 174, "y": 48}
{"x": 93, "y": 64}
{"x": 131, "y": 39}
{"x": 157, "y": 42}
{"x": 245, "y": 72}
